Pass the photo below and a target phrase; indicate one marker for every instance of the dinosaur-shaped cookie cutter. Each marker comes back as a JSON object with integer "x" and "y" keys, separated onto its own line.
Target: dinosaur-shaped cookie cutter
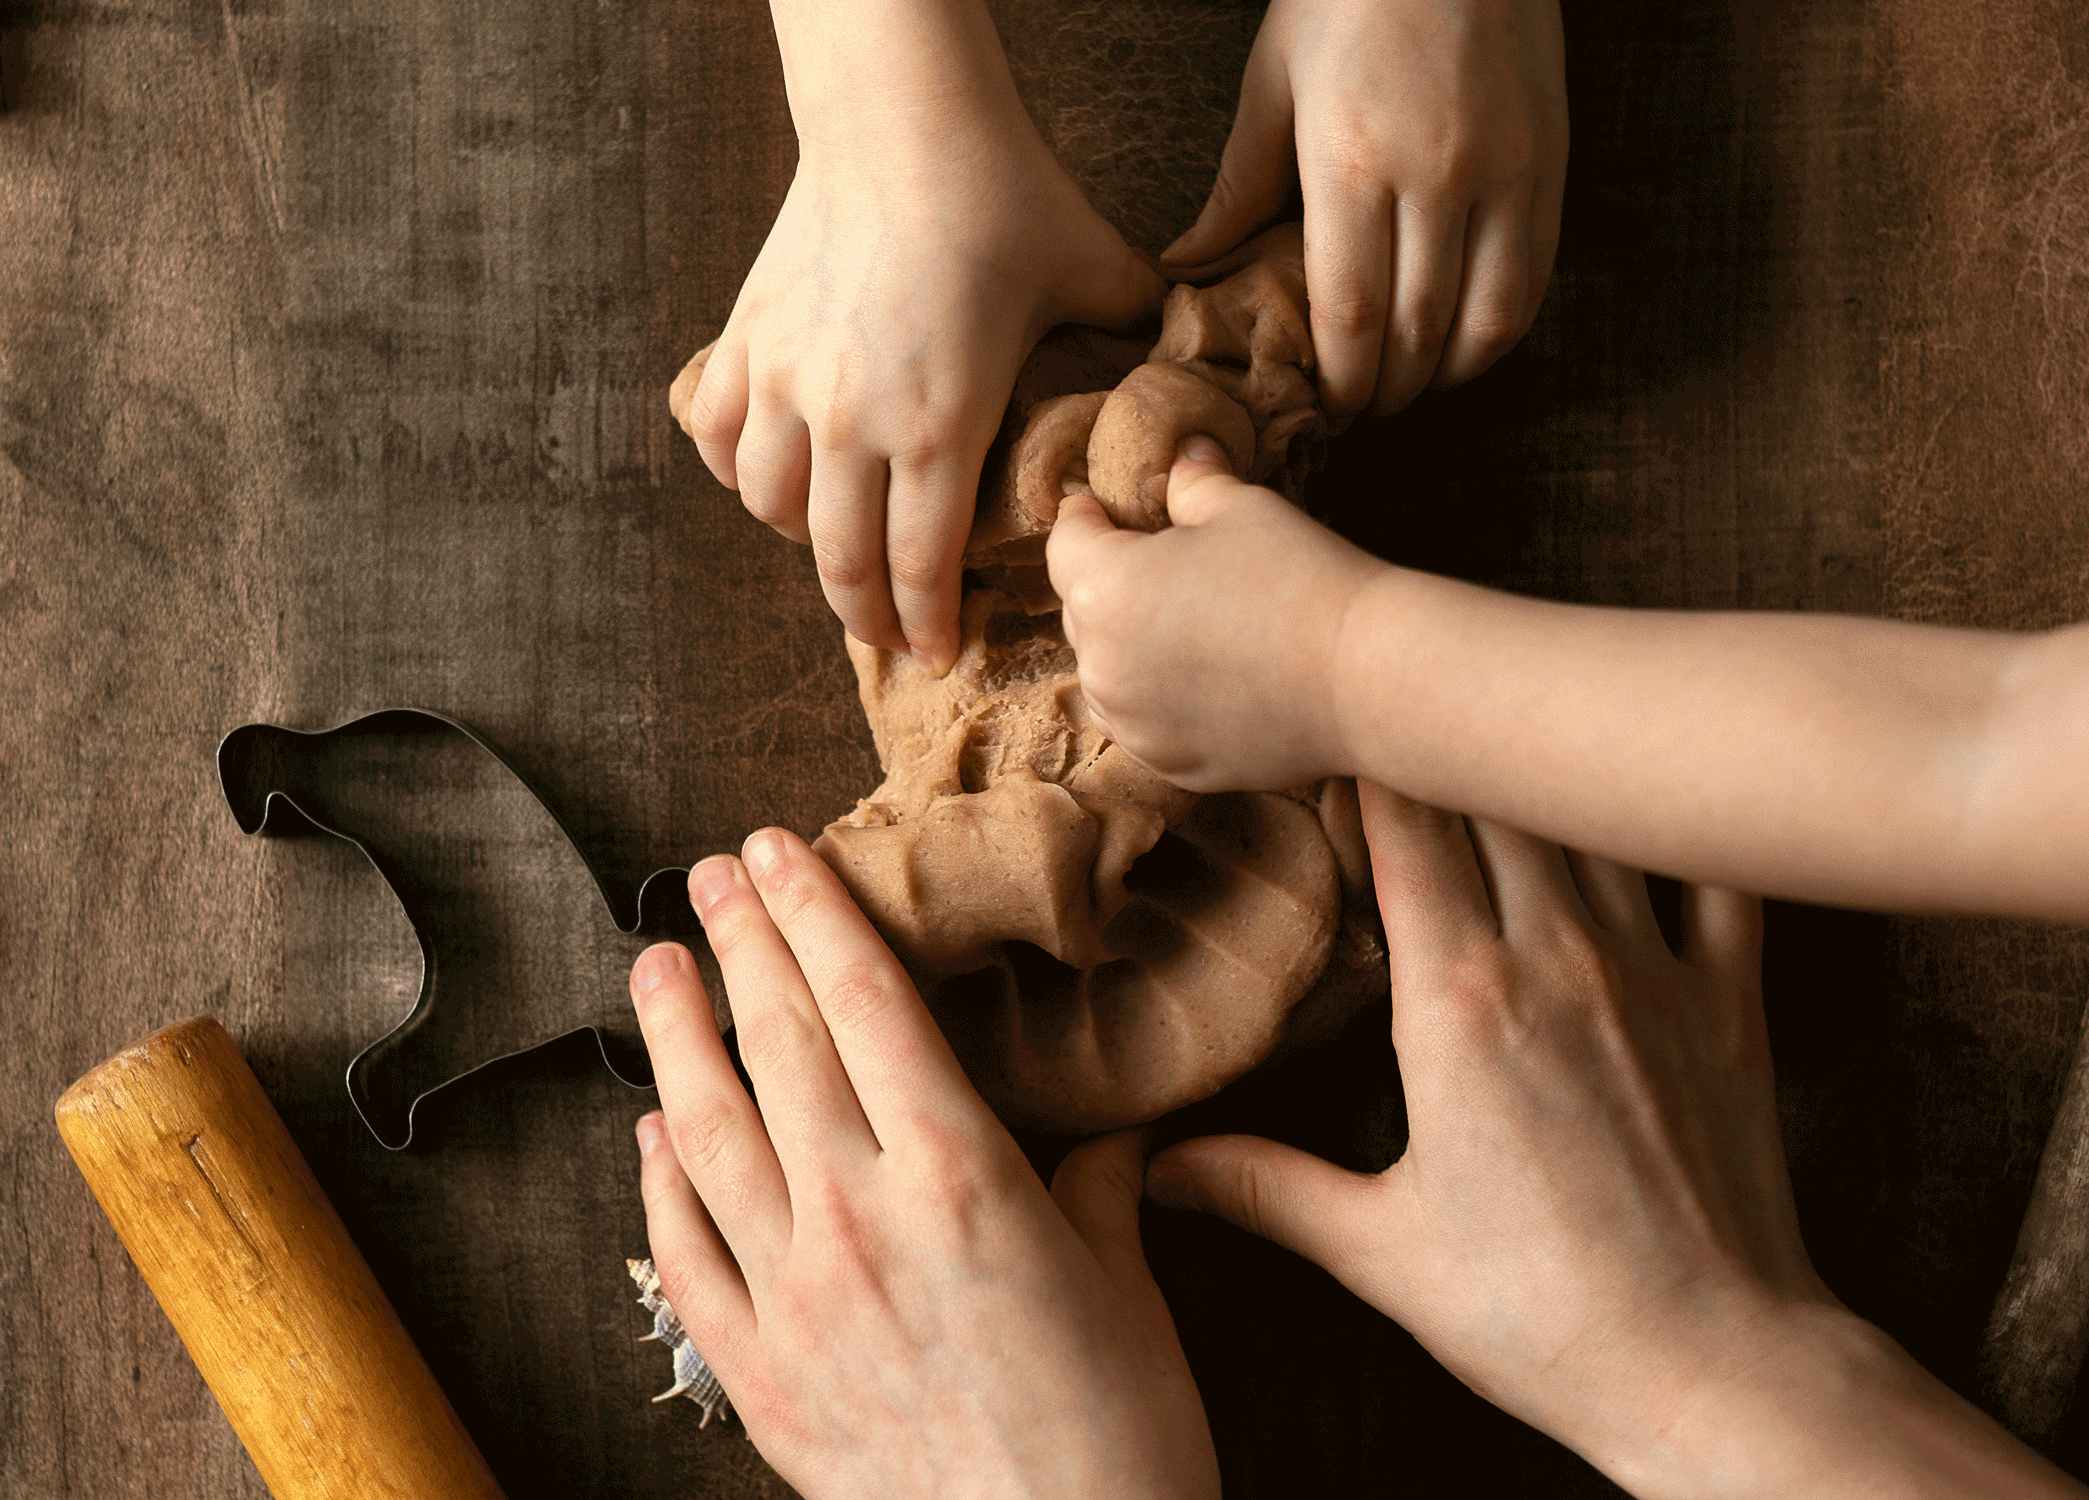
{"x": 260, "y": 807}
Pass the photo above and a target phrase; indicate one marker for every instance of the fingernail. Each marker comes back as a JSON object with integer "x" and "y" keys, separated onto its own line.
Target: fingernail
{"x": 650, "y": 1133}
{"x": 1199, "y": 449}
{"x": 763, "y": 852}
{"x": 1168, "y": 1184}
{"x": 655, "y": 967}
{"x": 711, "y": 882}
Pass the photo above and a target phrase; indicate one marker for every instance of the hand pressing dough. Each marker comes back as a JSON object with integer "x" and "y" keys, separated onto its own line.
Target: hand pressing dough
{"x": 1102, "y": 947}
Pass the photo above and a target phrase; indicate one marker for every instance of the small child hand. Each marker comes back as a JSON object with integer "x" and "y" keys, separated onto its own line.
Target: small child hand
{"x": 925, "y": 244}
{"x": 892, "y": 1299}
{"x": 1429, "y": 141}
{"x": 1210, "y": 648}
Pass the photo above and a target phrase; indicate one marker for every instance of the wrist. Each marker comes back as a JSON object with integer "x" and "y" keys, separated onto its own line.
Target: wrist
{"x": 1762, "y": 1411}
{"x": 1810, "y": 1399}
{"x": 1365, "y": 620}
{"x": 890, "y": 72}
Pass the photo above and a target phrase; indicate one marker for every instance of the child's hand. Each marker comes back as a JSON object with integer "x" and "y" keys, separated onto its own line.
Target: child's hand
{"x": 1429, "y": 141}
{"x": 893, "y": 1301}
{"x": 1211, "y": 648}
{"x": 926, "y": 242}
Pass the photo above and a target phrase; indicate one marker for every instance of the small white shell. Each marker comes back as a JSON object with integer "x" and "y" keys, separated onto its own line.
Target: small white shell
{"x": 693, "y": 1378}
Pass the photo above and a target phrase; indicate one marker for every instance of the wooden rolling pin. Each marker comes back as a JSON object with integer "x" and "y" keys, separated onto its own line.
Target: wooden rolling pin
{"x": 277, "y": 1307}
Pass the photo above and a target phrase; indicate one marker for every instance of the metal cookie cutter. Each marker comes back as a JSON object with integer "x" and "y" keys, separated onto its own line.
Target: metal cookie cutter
{"x": 278, "y": 780}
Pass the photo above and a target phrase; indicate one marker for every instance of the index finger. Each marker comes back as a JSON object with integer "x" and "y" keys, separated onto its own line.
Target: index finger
{"x": 1430, "y": 894}
{"x": 1349, "y": 283}
{"x": 927, "y": 516}
{"x": 895, "y": 1055}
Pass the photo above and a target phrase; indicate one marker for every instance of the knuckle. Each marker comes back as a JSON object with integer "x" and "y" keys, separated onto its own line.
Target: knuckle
{"x": 789, "y": 891}
{"x": 1511, "y": 154}
{"x": 729, "y": 926}
{"x": 955, "y": 1169}
{"x": 775, "y": 380}
{"x": 1084, "y": 598}
{"x": 1447, "y": 160}
{"x": 702, "y": 1135}
{"x": 1479, "y": 980}
{"x": 773, "y": 1040}
{"x": 679, "y": 1283}
{"x": 1252, "y": 1195}
{"x": 1106, "y": 689}
{"x": 656, "y": 1188}
{"x": 795, "y": 1302}
{"x": 1492, "y": 329}
{"x": 835, "y": 421}
{"x": 1420, "y": 331}
{"x": 860, "y": 995}
{"x": 1350, "y": 162}
{"x": 932, "y": 437}
{"x": 918, "y": 569}
{"x": 710, "y": 419}
{"x": 1584, "y": 963}
{"x": 842, "y": 565}
{"x": 1351, "y": 314}
{"x": 849, "y": 1243}
{"x": 764, "y": 502}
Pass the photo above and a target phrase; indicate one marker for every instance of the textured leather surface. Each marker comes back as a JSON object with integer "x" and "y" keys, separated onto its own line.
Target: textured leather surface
{"x": 334, "y": 337}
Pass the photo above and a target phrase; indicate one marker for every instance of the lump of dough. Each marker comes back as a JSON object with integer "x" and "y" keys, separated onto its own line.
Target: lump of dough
{"x": 1140, "y": 427}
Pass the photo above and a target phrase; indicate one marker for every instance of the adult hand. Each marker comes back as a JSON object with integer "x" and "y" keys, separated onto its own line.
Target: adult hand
{"x": 1592, "y": 1225}
{"x": 927, "y": 241}
{"x": 890, "y": 1296}
{"x": 1428, "y": 139}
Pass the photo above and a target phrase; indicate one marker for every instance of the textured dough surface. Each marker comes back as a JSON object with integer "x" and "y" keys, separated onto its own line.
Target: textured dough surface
{"x": 1101, "y": 946}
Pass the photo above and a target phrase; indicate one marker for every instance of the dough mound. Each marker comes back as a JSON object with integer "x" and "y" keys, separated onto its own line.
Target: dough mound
{"x": 1100, "y": 946}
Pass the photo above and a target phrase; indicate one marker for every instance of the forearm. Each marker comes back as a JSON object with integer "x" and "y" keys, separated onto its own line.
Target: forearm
{"x": 1822, "y": 758}
{"x": 852, "y": 63}
{"x": 1827, "y": 1405}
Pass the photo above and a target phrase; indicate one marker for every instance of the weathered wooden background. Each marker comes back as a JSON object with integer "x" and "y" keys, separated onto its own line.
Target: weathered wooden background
{"x": 333, "y": 343}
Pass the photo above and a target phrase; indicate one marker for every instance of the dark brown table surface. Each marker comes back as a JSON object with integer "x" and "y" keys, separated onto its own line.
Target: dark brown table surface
{"x": 334, "y": 337}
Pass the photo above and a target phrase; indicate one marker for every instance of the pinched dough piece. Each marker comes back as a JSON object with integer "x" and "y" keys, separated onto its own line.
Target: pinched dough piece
{"x": 1255, "y": 319}
{"x": 975, "y": 871}
{"x": 1142, "y": 424}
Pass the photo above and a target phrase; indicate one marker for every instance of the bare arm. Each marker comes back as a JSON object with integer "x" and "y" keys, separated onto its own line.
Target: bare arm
{"x": 1817, "y": 757}
{"x": 1823, "y": 758}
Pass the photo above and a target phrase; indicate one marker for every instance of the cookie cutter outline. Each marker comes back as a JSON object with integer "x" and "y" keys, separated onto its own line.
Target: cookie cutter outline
{"x": 279, "y": 812}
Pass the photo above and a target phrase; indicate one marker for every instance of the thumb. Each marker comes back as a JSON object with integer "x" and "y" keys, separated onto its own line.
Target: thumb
{"x": 1098, "y": 1187}
{"x": 1255, "y": 171}
{"x": 1309, "y": 1206}
{"x": 1200, "y": 482}
{"x": 1082, "y": 526}
{"x": 682, "y": 393}
{"x": 1121, "y": 292}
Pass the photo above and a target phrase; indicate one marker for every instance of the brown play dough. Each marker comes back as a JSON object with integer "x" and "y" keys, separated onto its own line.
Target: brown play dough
{"x": 1102, "y": 947}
